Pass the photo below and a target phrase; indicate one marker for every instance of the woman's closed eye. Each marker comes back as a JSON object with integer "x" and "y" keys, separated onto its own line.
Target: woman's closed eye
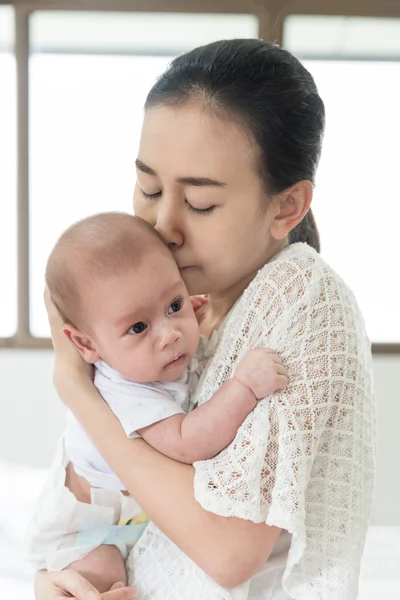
{"x": 200, "y": 211}
{"x": 137, "y": 328}
{"x": 150, "y": 196}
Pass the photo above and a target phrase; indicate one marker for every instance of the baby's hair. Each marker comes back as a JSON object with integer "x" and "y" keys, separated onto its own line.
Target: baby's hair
{"x": 93, "y": 249}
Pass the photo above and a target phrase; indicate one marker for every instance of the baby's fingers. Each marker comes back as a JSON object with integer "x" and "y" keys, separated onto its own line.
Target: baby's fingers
{"x": 281, "y": 382}
{"x": 280, "y": 369}
{"x": 275, "y": 358}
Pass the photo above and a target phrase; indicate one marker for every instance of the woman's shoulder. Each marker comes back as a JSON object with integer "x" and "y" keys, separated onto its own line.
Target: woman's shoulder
{"x": 296, "y": 273}
{"x": 296, "y": 260}
{"x": 297, "y": 293}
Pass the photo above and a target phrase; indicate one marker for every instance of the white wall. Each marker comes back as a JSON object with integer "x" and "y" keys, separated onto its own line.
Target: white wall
{"x": 387, "y": 386}
{"x": 32, "y": 419}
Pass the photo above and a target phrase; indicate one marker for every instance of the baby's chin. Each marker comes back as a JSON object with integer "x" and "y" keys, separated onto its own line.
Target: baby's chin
{"x": 167, "y": 373}
{"x": 175, "y": 369}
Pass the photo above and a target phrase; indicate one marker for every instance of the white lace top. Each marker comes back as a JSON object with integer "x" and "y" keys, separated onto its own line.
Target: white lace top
{"x": 304, "y": 459}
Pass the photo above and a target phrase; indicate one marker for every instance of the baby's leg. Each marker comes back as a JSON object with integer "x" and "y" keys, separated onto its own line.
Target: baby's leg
{"x": 103, "y": 567}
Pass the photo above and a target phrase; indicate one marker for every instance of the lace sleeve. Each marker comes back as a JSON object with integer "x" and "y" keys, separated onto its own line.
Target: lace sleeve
{"x": 304, "y": 459}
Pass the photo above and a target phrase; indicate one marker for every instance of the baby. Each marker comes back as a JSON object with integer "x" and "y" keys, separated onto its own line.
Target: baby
{"x": 127, "y": 311}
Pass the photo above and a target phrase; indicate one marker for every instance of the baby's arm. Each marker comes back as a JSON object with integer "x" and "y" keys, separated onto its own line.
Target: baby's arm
{"x": 204, "y": 432}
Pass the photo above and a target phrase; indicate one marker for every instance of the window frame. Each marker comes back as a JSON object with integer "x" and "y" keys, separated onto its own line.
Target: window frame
{"x": 271, "y": 15}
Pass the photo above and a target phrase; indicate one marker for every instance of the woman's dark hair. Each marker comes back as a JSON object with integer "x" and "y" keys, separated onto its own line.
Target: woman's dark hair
{"x": 267, "y": 89}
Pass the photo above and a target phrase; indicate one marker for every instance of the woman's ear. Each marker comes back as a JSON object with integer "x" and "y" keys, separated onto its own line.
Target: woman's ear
{"x": 291, "y": 207}
{"x": 82, "y": 343}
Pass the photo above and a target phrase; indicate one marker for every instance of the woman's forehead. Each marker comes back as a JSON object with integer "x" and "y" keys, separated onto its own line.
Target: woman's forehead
{"x": 190, "y": 141}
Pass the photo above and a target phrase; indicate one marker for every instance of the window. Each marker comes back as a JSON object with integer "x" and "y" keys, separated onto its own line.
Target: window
{"x": 88, "y": 73}
{"x": 8, "y": 176}
{"x": 356, "y": 65}
{"x": 89, "y": 77}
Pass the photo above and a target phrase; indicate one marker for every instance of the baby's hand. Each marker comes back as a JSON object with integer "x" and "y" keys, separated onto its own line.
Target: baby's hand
{"x": 262, "y": 371}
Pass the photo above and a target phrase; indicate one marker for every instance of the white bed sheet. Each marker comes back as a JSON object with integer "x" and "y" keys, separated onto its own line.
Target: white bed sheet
{"x": 19, "y": 487}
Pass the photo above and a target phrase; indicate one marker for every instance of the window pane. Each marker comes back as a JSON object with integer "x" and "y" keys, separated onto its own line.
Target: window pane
{"x": 134, "y": 33}
{"x": 8, "y": 176}
{"x": 357, "y": 202}
{"x": 89, "y": 76}
{"x": 309, "y": 36}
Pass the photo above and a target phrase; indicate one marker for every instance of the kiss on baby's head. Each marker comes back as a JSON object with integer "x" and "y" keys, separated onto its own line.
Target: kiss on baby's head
{"x": 122, "y": 299}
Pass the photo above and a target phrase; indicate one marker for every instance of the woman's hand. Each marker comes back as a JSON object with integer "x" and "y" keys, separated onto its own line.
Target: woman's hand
{"x": 198, "y": 302}
{"x": 68, "y": 364}
{"x": 69, "y": 583}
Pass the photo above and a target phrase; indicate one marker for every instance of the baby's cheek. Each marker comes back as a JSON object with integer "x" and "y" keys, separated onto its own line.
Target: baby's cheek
{"x": 195, "y": 338}
{"x": 137, "y": 364}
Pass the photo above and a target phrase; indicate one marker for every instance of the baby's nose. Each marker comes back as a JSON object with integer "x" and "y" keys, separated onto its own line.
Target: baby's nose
{"x": 169, "y": 336}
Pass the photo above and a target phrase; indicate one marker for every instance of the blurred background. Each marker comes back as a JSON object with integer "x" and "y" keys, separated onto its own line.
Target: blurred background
{"x": 73, "y": 80}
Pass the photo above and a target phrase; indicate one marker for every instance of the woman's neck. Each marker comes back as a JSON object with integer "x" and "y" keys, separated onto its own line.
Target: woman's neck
{"x": 212, "y": 314}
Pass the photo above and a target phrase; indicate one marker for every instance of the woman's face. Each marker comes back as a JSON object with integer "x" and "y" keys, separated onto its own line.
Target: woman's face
{"x": 197, "y": 183}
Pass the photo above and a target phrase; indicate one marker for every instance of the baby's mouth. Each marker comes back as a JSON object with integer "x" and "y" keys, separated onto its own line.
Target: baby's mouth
{"x": 176, "y": 360}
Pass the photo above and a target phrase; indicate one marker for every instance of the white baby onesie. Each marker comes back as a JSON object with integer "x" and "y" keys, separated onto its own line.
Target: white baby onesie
{"x": 136, "y": 405}
{"x": 62, "y": 529}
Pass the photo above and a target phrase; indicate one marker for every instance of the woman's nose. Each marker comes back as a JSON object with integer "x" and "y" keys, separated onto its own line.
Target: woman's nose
{"x": 168, "y": 224}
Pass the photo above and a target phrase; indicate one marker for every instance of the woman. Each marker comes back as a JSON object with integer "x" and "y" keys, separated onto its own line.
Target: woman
{"x": 230, "y": 144}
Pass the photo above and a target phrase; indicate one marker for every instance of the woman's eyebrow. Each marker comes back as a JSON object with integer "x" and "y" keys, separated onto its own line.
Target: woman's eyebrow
{"x": 195, "y": 181}
{"x": 144, "y": 168}
{"x": 201, "y": 182}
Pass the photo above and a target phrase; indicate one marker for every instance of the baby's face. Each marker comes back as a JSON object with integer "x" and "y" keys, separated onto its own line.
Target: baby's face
{"x": 143, "y": 322}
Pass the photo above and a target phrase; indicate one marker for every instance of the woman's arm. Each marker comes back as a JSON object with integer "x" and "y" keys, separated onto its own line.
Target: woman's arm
{"x": 208, "y": 429}
{"x": 229, "y": 550}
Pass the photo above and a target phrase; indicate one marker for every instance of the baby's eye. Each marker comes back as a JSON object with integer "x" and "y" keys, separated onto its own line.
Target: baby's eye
{"x": 137, "y": 328}
{"x": 175, "y": 306}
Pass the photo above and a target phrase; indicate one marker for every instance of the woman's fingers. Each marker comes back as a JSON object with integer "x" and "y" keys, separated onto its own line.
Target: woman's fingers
{"x": 198, "y": 302}
{"x": 75, "y": 584}
{"x": 55, "y": 320}
{"x": 71, "y": 584}
{"x": 117, "y": 586}
{"x": 119, "y": 593}
{"x": 68, "y": 361}
{"x": 60, "y": 342}
{"x": 64, "y": 584}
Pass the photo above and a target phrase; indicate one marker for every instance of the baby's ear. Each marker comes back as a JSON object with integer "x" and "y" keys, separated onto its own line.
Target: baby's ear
{"x": 82, "y": 343}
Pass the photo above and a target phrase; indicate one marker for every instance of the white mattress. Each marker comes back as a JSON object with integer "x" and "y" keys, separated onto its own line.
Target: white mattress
{"x": 19, "y": 486}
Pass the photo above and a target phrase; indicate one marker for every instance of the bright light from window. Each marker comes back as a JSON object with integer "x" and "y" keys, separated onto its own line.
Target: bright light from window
{"x": 86, "y": 114}
{"x": 357, "y": 200}
{"x": 342, "y": 36}
{"x": 8, "y": 176}
{"x": 89, "y": 77}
